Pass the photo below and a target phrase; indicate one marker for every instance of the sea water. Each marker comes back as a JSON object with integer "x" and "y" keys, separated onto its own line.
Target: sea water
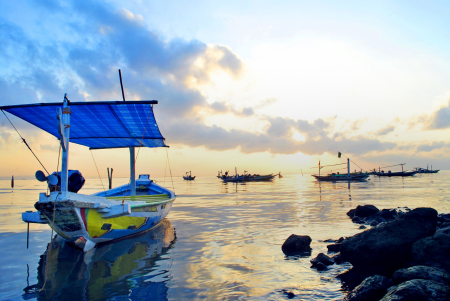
{"x": 221, "y": 241}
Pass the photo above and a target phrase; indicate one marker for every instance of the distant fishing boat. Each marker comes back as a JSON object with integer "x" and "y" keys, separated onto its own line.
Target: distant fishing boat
{"x": 395, "y": 174}
{"x": 188, "y": 176}
{"x": 422, "y": 170}
{"x": 334, "y": 177}
{"x": 87, "y": 220}
{"x": 246, "y": 177}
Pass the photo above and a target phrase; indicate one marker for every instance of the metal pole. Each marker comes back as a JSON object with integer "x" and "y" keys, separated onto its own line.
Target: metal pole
{"x": 65, "y": 120}
{"x": 28, "y": 234}
{"x": 348, "y": 167}
{"x": 132, "y": 158}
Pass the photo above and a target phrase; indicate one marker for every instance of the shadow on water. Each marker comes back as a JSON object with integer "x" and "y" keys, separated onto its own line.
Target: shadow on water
{"x": 134, "y": 268}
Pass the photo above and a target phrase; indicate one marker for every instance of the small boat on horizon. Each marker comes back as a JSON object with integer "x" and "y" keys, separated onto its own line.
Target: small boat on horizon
{"x": 395, "y": 174}
{"x": 423, "y": 170}
{"x": 188, "y": 176}
{"x": 356, "y": 176}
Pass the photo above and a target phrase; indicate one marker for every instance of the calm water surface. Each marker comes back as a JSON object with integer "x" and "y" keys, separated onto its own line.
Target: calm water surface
{"x": 219, "y": 242}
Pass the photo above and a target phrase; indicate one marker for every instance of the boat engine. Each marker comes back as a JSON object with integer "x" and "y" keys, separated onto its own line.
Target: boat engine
{"x": 76, "y": 181}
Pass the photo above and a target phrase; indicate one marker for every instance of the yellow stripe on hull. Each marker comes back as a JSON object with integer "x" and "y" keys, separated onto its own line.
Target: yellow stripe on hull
{"x": 95, "y": 222}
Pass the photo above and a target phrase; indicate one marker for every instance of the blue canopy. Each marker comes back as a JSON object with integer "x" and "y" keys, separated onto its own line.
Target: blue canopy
{"x": 105, "y": 124}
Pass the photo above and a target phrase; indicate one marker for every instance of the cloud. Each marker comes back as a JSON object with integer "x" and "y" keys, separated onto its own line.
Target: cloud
{"x": 99, "y": 39}
{"x": 385, "y": 131}
{"x": 440, "y": 119}
{"x": 431, "y": 147}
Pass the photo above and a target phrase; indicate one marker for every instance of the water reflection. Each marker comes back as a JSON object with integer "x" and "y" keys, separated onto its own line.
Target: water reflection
{"x": 135, "y": 268}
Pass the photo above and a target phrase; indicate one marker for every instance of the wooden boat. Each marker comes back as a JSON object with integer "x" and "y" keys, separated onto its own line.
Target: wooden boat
{"x": 396, "y": 174}
{"x": 422, "y": 170}
{"x": 343, "y": 177}
{"x": 253, "y": 178}
{"x": 188, "y": 177}
{"x": 334, "y": 177}
{"x": 87, "y": 220}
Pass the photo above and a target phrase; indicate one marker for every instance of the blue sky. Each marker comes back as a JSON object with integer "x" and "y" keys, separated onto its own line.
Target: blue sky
{"x": 281, "y": 82}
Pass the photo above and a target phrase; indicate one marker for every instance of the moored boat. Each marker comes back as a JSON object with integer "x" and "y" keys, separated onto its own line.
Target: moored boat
{"x": 423, "y": 170}
{"x": 87, "y": 220}
{"x": 188, "y": 176}
{"x": 356, "y": 176}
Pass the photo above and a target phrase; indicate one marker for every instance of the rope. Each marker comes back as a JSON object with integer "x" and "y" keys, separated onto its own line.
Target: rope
{"x": 97, "y": 169}
{"x": 173, "y": 187}
{"x": 26, "y": 143}
{"x": 352, "y": 161}
{"x": 53, "y": 224}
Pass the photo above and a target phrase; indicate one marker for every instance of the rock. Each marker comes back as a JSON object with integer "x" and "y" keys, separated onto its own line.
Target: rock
{"x": 319, "y": 266}
{"x": 433, "y": 251}
{"x": 375, "y": 220}
{"x": 358, "y": 220}
{"x": 297, "y": 245}
{"x": 334, "y": 247}
{"x": 330, "y": 240}
{"x": 337, "y": 258}
{"x": 421, "y": 272}
{"x": 388, "y": 214}
{"x": 340, "y": 240}
{"x": 323, "y": 259}
{"x": 371, "y": 289}
{"x": 352, "y": 278}
{"x": 444, "y": 217}
{"x": 362, "y": 227}
{"x": 363, "y": 211}
{"x": 418, "y": 290}
{"x": 387, "y": 247}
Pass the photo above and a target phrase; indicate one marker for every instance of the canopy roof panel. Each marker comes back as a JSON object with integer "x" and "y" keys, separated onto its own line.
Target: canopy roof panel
{"x": 106, "y": 124}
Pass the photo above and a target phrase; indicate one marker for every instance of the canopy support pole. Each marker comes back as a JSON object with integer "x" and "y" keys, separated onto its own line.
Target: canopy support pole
{"x": 348, "y": 167}
{"x": 132, "y": 172}
{"x": 64, "y": 129}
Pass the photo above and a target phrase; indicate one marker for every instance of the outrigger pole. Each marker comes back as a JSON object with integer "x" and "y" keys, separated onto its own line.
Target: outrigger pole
{"x": 132, "y": 153}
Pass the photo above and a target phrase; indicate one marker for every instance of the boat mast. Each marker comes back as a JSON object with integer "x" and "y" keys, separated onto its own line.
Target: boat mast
{"x": 64, "y": 132}
{"x": 348, "y": 167}
{"x": 132, "y": 154}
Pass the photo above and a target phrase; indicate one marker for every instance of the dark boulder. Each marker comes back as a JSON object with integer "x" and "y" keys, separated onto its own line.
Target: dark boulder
{"x": 352, "y": 278}
{"x": 334, "y": 247}
{"x": 418, "y": 290}
{"x": 363, "y": 211}
{"x": 297, "y": 245}
{"x": 323, "y": 259}
{"x": 388, "y": 214}
{"x": 421, "y": 272}
{"x": 387, "y": 247}
{"x": 319, "y": 266}
{"x": 434, "y": 250}
{"x": 371, "y": 289}
{"x": 337, "y": 258}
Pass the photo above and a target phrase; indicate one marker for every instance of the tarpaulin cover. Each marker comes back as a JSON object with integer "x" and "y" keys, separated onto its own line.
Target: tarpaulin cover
{"x": 106, "y": 124}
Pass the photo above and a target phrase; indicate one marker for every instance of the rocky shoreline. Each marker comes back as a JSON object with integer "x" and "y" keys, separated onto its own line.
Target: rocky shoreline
{"x": 402, "y": 254}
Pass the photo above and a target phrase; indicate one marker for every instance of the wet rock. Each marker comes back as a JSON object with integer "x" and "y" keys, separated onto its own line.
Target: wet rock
{"x": 421, "y": 272}
{"x": 375, "y": 220}
{"x": 362, "y": 227}
{"x": 358, "y": 220}
{"x": 388, "y": 214}
{"x": 418, "y": 290}
{"x": 319, "y": 266}
{"x": 337, "y": 258}
{"x": 433, "y": 251}
{"x": 330, "y": 240}
{"x": 297, "y": 245}
{"x": 334, "y": 247}
{"x": 340, "y": 240}
{"x": 387, "y": 247}
{"x": 322, "y": 258}
{"x": 363, "y": 211}
{"x": 352, "y": 278}
{"x": 371, "y": 289}
{"x": 444, "y": 217}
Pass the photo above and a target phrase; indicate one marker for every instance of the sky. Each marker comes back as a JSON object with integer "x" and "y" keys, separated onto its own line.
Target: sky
{"x": 261, "y": 86}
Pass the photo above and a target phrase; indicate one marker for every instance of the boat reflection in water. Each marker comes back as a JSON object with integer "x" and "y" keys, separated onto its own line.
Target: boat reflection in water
{"x": 136, "y": 268}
